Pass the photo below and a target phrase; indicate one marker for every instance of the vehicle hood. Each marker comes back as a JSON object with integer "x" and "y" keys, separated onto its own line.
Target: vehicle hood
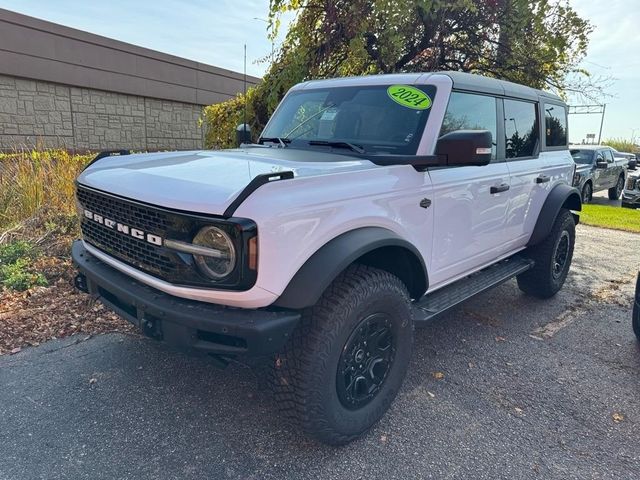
{"x": 206, "y": 181}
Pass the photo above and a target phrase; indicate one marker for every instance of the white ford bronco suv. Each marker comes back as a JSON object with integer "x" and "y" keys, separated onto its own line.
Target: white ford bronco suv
{"x": 367, "y": 206}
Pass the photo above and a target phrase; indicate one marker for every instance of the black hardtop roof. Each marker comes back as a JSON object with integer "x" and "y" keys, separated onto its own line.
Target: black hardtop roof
{"x": 494, "y": 86}
{"x": 461, "y": 81}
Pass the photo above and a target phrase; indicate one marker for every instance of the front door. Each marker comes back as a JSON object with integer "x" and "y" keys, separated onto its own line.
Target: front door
{"x": 469, "y": 203}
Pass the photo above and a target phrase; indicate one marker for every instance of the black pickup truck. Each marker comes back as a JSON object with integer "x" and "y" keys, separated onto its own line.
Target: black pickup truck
{"x": 598, "y": 169}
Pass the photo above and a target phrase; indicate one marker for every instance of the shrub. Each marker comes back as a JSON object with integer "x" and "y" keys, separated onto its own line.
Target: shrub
{"x": 12, "y": 252}
{"x": 16, "y": 266}
{"x": 220, "y": 120}
{"x": 20, "y": 276}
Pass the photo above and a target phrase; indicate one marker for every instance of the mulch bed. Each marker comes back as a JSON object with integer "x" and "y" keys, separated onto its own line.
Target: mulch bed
{"x": 59, "y": 310}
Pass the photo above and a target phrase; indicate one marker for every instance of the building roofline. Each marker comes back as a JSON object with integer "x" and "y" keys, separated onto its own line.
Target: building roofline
{"x": 41, "y": 50}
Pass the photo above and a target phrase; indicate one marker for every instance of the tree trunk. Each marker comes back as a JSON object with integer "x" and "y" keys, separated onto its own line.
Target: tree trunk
{"x": 505, "y": 15}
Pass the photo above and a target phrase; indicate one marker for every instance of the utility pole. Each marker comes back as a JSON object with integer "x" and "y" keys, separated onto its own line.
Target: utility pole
{"x": 272, "y": 41}
{"x": 604, "y": 106}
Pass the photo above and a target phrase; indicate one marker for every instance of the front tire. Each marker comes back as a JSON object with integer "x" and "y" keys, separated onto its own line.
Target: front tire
{"x": 346, "y": 362}
{"x": 587, "y": 192}
{"x": 552, "y": 259}
{"x": 636, "y": 310}
{"x": 615, "y": 192}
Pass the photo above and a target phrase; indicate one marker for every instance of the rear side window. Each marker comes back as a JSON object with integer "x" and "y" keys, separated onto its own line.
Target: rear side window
{"x": 555, "y": 119}
{"x": 521, "y": 128}
{"x": 467, "y": 111}
{"x": 608, "y": 155}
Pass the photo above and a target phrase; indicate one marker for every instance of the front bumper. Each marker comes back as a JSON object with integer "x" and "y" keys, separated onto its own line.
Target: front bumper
{"x": 630, "y": 200}
{"x": 215, "y": 329}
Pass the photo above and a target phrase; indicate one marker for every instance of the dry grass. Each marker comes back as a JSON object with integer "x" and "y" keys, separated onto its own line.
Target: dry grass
{"x": 37, "y": 209}
{"x": 33, "y": 183}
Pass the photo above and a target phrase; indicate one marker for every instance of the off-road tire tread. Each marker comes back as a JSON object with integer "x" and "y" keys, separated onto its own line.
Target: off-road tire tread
{"x": 587, "y": 200}
{"x": 613, "y": 191}
{"x": 293, "y": 369}
{"x": 536, "y": 281}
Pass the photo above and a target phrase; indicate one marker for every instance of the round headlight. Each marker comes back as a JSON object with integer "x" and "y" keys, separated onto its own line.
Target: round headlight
{"x": 220, "y": 261}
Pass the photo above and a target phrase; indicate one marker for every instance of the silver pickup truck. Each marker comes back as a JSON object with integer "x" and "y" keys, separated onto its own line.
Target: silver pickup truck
{"x": 598, "y": 169}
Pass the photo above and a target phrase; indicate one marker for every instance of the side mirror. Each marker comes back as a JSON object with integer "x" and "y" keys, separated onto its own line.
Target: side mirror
{"x": 243, "y": 134}
{"x": 601, "y": 163}
{"x": 464, "y": 148}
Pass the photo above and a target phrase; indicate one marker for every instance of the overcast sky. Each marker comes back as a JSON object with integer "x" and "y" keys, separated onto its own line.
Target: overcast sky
{"x": 214, "y": 31}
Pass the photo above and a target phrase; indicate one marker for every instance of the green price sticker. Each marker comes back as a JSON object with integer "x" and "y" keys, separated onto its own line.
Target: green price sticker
{"x": 409, "y": 97}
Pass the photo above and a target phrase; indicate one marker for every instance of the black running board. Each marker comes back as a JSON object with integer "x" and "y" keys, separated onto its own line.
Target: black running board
{"x": 433, "y": 304}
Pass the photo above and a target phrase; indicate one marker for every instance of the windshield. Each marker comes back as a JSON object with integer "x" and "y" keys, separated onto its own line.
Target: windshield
{"x": 377, "y": 119}
{"x": 583, "y": 156}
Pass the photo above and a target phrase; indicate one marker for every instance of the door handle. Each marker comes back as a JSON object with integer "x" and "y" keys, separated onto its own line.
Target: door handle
{"x": 500, "y": 188}
{"x": 542, "y": 179}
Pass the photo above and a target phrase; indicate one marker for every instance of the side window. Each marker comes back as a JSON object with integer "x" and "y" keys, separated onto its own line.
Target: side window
{"x": 555, "y": 119}
{"x": 467, "y": 111}
{"x": 608, "y": 155}
{"x": 521, "y": 128}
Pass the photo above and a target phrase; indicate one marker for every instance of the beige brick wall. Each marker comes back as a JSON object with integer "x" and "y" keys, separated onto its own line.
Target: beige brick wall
{"x": 51, "y": 115}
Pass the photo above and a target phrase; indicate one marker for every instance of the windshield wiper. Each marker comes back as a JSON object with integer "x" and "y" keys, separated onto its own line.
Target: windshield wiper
{"x": 336, "y": 144}
{"x": 282, "y": 141}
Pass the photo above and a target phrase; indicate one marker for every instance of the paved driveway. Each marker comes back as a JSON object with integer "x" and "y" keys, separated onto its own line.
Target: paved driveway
{"x": 531, "y": 389}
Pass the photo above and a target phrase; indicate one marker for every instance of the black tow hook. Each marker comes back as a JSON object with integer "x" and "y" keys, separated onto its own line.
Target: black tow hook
{"x": 80, "y": 282}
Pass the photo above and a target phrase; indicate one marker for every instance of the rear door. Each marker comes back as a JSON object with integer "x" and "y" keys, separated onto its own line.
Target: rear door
{"x": 528, "y": 170}
{"x": 470, "y": 203}
{"x": 612, "y": 172}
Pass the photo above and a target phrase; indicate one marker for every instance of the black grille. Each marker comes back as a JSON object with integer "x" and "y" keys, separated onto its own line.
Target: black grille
{"x": 157, "y": 260}
{"x": 133, "y": 251}
{"x": 133, "y": 214}
{"x": 139, "y": 253}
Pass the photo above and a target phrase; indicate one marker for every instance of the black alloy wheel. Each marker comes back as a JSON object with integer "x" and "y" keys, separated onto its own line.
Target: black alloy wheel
{"x": 365, "y": 362}
{"x": 561, "y": 254}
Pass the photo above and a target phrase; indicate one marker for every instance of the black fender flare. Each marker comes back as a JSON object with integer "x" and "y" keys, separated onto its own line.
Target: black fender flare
{"x": 561, "y": 196}
{"x": 317, "y": 273}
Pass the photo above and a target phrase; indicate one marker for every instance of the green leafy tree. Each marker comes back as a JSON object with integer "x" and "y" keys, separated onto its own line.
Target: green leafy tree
{"x": 534, "y": 42}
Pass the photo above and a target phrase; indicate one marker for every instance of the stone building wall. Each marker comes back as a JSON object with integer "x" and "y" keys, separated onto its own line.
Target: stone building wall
{"x": 62, "y": 87}
{"x": 36, "y": 113}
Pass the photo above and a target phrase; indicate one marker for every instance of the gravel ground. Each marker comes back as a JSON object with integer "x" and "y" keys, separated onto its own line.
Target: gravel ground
{"x": 531, "y": 389}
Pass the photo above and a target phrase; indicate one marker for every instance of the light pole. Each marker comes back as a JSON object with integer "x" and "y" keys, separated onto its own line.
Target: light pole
{"x": 272, "y": 45}
{"x": 604, "y": 107}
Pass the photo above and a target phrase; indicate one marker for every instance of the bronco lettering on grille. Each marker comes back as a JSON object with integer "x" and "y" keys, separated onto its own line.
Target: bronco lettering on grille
{"x": 122, "y": 228}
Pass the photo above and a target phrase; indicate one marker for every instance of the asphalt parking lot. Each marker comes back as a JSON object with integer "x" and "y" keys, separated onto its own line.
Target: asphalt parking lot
{"x": 531, "y": 389}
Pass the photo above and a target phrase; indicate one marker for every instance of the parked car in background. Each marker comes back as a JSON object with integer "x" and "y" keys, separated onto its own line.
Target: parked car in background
{"x": 636, "y": 310}
{"x": 631, "y": 193}
{"x": 598, "y": 169}
{"x": 630, "y": 157}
